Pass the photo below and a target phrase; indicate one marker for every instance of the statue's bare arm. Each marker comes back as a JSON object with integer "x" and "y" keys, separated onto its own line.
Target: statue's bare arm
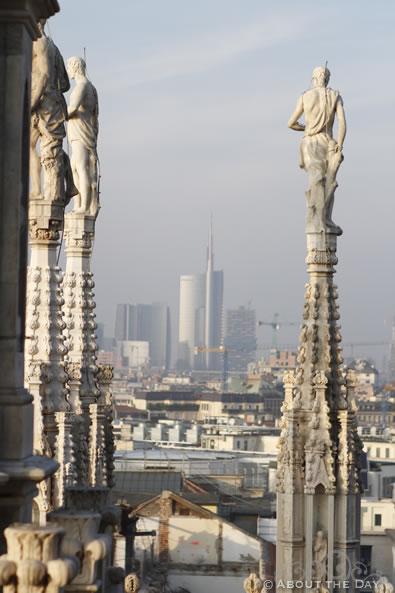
{"x": 342, "y": 123}
{"x": 76, "y": 99}
{"x": 40, "y": 71}
{"x": 293, "y": 122}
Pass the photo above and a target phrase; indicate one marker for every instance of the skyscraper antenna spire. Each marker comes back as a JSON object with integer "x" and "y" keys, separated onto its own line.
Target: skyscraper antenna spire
{"x": 210, "y": 251}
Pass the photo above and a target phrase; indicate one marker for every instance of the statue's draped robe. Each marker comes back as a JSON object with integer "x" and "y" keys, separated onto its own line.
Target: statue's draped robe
{"x": 84, "y": 127}
{"x": 317, "y": 141}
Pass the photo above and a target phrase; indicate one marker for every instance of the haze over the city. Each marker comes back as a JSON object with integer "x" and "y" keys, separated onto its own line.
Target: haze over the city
{"x": 194, "y": 103}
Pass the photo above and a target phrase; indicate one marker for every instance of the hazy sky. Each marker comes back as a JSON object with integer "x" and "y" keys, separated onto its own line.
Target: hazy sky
{"x": 194, "y": 103}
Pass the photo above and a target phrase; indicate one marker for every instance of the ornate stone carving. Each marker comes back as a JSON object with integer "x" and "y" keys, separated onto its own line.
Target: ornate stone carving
{"x": 253, "y": 584}
{"x": 44, "y": 234}
{"x": 325, "y": 257}
{"x": 318, "y": 470}
{"x": 383, "y": 586}
{"x": 64, "y": 453}
{"x": 32, "y": 562}
{"x": 132, "y": 583}
{"x": 83, "y": 538}
{"x": 320, "y": 379}
{"x": 290, "y": 457}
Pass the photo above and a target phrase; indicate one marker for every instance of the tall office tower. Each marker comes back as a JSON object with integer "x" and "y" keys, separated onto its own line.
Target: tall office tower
{"x": 149, "y": 323}
{"x": 121, "y": 331}
{"x": 214, "y": 309}
{"x": 200, "y": 316}
{"x": 191, "y": 321}
{"x": 240, "y": 338}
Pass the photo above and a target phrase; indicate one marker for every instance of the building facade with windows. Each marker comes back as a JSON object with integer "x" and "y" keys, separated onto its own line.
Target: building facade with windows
{"x": 240, "y": 338}
{"x": 146, "y": 323}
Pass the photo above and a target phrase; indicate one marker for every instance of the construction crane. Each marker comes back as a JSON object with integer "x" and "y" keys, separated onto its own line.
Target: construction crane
{"x": 275, "y": 325}
{"x": 221, "y": 350}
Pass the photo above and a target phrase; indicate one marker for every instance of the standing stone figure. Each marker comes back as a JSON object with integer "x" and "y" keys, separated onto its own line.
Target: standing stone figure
{"x": 320, "y": 154}
{"x": 49, "y": 112}
{"x": 320, "y": 553}
{"x": 82, "y": 131}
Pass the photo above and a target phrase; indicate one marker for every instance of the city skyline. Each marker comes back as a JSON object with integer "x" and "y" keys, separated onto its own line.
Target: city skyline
{"x": 200, "y": 120}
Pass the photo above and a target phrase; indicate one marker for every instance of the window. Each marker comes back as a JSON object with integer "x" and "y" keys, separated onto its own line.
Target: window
{"x": 237, "y": 444}
{"x": 212, "y": 443}
{"x": 377, "y": 452}
{"x": 245, "y": 445}
{"x": 377, "y": 520}
{"x": 387, "y": 452}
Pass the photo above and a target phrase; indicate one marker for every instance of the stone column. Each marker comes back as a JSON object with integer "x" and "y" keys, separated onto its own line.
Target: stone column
{"x": 45, "y": 347}
{"x": 87, "y": 399}
{"x": 104, "y": 379}
{"x": 19, "y": 469}
{"x": 318, "y": 500}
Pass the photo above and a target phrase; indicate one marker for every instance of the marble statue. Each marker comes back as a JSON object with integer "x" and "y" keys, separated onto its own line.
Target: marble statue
{"x": 320, "y": 153}
{"x": 82, "y": 131}
{"x": 320, "y": 553}
{"x": 48, "y": 114}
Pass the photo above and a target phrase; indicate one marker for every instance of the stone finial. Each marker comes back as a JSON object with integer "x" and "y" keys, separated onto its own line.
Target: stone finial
{"x": 289, "y": 378}
{"x": 131, "y": 583}
{"x": 383, "y": 586}
{"x": 320, "y": 379}
{"x": 32, "y": 563}
{"x": 351, "y": 378}
{"x": 253, "y": 584}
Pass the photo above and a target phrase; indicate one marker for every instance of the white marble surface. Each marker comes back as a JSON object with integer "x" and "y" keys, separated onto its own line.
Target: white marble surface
{"x": 82, "y": 131}
{"x": 320, "y": 154}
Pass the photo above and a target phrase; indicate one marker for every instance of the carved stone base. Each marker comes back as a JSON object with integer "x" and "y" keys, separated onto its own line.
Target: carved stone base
{"x": 32, "y": 563}
{"x": 19, "y": 487}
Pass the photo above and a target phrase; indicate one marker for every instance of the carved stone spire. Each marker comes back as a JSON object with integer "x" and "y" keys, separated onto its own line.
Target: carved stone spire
{"x": 45, "y": 376}
{"x": 87, "y": 402}
{"x": 318, "y": 481}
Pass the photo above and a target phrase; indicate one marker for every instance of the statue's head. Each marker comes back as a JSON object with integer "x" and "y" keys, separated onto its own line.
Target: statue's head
{"x": 76, "y": 66}
{"x": 321, "y": 76}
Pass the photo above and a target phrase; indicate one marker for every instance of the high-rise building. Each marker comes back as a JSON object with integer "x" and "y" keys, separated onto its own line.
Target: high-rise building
{"x": 200, "y": 316}
{"x": 240, "y": 337}
{"x": 149, "y": 323}
{"x": 191, "y": 320}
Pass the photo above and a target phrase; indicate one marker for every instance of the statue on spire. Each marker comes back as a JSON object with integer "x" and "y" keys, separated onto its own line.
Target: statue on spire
{"x": 82, "y": 131}
{"x": 320, "y": 153}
